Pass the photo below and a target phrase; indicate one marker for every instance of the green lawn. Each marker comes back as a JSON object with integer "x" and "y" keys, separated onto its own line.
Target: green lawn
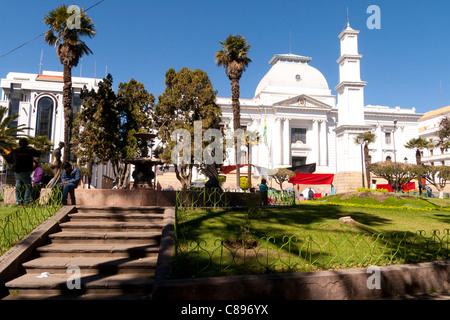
{"x": 18, "y": 221}
{"x": 308, "y": 236}
{"x": 6, "y": 210}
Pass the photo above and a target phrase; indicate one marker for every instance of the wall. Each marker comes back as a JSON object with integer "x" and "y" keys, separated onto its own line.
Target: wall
{"x": 351, "y": 284}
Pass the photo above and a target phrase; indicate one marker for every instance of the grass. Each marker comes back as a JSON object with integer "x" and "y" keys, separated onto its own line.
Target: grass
{"x": 16, "y": 222}
{"x": 309, "y": 236}
{"x": 7, "y": 210}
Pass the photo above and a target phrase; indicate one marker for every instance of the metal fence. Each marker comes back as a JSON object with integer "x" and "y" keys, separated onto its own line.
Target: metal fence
{"x": 217, "y": 198}
{"x": 202, "y": 198}
{"x": 18, "y": 221}
{"x": 308, "y": 253}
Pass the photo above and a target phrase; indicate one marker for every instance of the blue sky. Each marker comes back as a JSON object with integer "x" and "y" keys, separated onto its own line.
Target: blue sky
{"x": 404, "y": 62}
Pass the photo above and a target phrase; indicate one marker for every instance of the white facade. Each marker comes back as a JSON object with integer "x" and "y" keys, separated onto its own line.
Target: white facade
{"x": 428, "y": 129}
{"x": 307, "y": 124}
{"x": 38, "y": 99}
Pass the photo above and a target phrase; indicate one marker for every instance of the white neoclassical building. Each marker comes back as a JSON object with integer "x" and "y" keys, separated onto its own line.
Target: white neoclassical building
{"x": 428, "y": 129}
{"x": 307, "y": 124}
{"x": 38, "y": 100}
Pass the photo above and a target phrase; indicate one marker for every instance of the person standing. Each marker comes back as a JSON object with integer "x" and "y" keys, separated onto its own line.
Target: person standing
{"x": 70, "y": 179}
{"x": 21, "y": 161}
{"x": 429, "y": 192}
{"x": 263, "y": 189}
{"x": 310, "y": 194}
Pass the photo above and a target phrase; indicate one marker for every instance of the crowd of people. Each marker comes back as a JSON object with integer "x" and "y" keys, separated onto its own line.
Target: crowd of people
{"x": 30, "y": 176}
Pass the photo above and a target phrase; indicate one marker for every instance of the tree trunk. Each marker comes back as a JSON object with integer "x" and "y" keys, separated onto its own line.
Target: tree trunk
{"x": 183, "y": 176}
{"x": 367, "y": 162}
{"x": 67, "y": 103}
{"x": 419, "y": 162}
{"x": 236, "y": 106}
{"x": 90, "y": 166}
{"x": 123, "y": 176}
{"x": 249, "y": 167}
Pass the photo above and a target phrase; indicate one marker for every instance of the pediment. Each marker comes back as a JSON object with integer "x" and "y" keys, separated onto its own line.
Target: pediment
{"x": 303, "y": 101}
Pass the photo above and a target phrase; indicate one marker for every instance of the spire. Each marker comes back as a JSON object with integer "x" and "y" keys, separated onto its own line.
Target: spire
{"x": 348, "y": 19}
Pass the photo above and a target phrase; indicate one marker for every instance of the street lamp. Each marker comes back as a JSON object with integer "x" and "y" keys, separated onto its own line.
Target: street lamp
{"x": 395, "y": 157}
{"x": 361, "y": 142}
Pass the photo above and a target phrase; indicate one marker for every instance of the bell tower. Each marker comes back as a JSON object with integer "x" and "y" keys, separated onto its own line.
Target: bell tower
{"x": 350, "y": 121}
{"x": 350, "y": 88}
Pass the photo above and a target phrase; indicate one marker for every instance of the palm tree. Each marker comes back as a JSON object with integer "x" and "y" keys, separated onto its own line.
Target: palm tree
{"x": 368, "y": 138}
{"x": 8, "y": 133}
{"x": 69, "y": 49}
{"x": 419, "y": 144}
{"x": 234, "y": 58}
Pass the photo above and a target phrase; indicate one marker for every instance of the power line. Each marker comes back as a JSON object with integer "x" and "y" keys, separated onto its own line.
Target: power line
{"x": 24, "y": 44}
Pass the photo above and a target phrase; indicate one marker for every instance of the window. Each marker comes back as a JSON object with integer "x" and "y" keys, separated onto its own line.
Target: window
{"x": 298, "y": 134}
{"x": 298, "y": 161}
{"x": 387, "y": 138}
{"x": 76, "y": 104}
{"x": 244, "y": 159}
{"x": 14, "y": 103}
{"x": 44, "y": 117}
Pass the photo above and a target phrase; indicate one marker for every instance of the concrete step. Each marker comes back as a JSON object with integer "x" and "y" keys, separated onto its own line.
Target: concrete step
{"x": 91, "y": 285}
{"x": 83, "y": 237}
{"x": 130, "y": 250}
{"x": 88, "y": 265}
{"x": 115, "y": 216}
{"x": 115, "y": 248}
{"x": 134, "y": 210}
{"x": 102, "y": 226}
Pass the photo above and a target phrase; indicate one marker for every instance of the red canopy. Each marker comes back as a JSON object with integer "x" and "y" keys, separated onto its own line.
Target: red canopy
{"x": 228, "y": 169}
{"x": 312, "y": 178}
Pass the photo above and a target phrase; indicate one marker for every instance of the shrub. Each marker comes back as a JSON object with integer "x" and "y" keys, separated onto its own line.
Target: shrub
{"x": 244, "y": 183}
{"x": 372, "y": 190}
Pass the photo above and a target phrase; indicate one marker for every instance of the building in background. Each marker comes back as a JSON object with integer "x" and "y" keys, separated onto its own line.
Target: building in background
{"x": 428, "y": 129}
{"x": 307, "y": 124}
{"x": 38, "y": 100}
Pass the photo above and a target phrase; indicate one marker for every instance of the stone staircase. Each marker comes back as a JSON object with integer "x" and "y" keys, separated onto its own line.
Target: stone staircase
{"x": 100, "y": 253}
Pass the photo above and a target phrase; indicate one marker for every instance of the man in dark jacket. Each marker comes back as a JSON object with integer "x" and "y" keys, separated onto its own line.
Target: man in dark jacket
{"x": 310, "y": 194}
{"x": 21, "y": 161}
{"x": 70, "y": 179}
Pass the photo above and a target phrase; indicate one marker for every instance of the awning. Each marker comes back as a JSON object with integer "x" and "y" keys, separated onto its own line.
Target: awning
{"x": 228, "y": 169}
{"x": 307, "y": 168}
{"x": 312, "y": 178}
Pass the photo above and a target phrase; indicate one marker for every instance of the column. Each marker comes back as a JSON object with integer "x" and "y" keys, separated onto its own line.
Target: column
{"x": 276, "y": 145}
{"x": 323, "y": 143}
{"x": 380, "y": 139}
{"x": 286, "y": 143}
{"x": 255, "y": 148}
{"x": 315, "y": 142}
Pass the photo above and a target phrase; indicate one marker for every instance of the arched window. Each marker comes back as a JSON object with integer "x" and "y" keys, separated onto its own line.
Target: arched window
{"x": 44, "y": 117}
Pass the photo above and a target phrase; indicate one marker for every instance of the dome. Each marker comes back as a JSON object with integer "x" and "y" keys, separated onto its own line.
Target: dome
{"x": 292, "y": 75}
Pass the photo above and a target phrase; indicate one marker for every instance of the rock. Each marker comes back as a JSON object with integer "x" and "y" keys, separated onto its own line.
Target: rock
{"x": 348, "y": 220}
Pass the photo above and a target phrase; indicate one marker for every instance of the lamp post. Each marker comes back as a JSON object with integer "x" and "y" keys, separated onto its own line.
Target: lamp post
{"x": 395, "y": 157}
{"x": 361, "y": 142}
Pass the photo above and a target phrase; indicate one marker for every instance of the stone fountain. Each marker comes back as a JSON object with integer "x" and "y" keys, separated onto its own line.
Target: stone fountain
{"x": 144, "y": 173}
